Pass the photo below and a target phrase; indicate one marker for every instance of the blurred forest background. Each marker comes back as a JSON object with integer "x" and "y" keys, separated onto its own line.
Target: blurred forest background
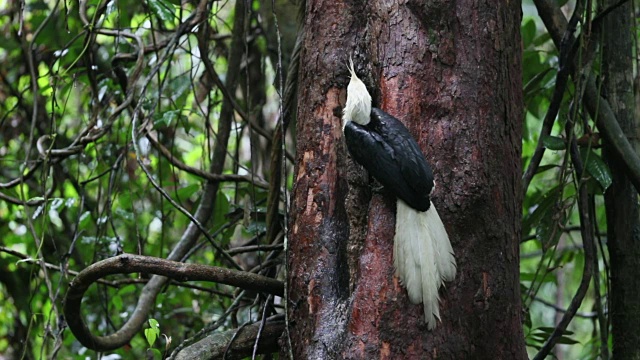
{"x": 135, "y": 127}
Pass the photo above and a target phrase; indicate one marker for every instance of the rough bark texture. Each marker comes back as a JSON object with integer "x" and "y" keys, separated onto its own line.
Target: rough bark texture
{"x": 235, "y": 344}
{"x": 621, "y": 199}
{"x": 451, "y": 73}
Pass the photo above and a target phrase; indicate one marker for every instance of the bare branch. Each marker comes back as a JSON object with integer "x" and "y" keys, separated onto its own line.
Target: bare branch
{"x": 127, "y": 264}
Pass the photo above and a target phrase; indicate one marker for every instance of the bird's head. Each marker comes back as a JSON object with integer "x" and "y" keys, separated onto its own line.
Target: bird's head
{"x": 358, "y": 107}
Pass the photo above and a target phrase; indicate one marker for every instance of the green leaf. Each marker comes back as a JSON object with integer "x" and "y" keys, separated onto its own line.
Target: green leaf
{"x": 539, "y": 209}
{"x": 154, "y": 324}
{"x": 533, "y": 86}
{"x": 162, "y": 9}
{"x": 85, "y": 220}
{"x": 528, "y": 32}
{"x": 567, "y": 340}
{"x": 527, "y": 320}
{"x": 553, "y": 142}
{"x": 179, "y": 85}
{"x": 152, "y": 332}
{"x": 156, "y": 354}
{"x": 127, "y": 290}
{"x": 151, "y": 336}
{"x": 186, "y": 192}
{"x": 543, "y": 38}
{"x": 544, "y": 168}
{"x": 550, "y": 329}
{"x": 599, "y": 170}
{"x": 534, "y": 345}
{"x": 256, "y": 227}
{"x": 165, "y": 119}
{"x": 541, "y": 338}
{"x": 116, "y": 301}
{"x": 124, "y": 214}
{"x": 549, "y": 229}
{"x": 221, "y": 210}
{"x": 529, "y": 276}
{"x": 125, "y": 200}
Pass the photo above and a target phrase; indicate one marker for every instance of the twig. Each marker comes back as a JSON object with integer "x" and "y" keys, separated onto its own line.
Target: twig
{"x": 244, "y": 249}
{"x": 26, "y": 176}
{"x": 544, "y": 302}
{"x": 263, "y": 322}
{"x": 184, "y": 211}
{"x": 204, "y": 174}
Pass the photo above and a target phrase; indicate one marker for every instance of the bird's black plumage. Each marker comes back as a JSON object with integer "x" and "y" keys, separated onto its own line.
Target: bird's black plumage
{"x": 388, "y": 151}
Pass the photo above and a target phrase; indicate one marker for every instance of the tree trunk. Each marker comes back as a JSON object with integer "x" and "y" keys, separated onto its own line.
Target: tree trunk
{"x": 452, "y": 75}
{"x": 621, "y": 199}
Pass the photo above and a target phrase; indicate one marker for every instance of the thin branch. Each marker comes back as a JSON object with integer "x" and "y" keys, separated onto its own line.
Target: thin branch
{"x": 565, "y": 64}
{"x": 586, "y": 227}
{"x": 127, "y": 264}
{"x": 26, "y": 176}
{"x": 31, "y": 202}
{"x": 591, "y": 315}
{"x": 204, "y": 174}
{"x": 600, "y": 313}
{"x": 251, "y": 248}
{"x": 263, "y": 322}
{"x": 186, "y": 213}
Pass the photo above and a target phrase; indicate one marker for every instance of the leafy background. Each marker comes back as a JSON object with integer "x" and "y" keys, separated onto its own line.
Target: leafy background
{"x": 72, "y": 209}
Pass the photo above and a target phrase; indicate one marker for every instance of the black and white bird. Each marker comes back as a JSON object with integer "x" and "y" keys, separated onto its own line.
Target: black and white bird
{"x": 422, "y": 254}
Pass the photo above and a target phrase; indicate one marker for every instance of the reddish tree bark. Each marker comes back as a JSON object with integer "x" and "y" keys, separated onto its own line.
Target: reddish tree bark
{"x": 451, "y": 73}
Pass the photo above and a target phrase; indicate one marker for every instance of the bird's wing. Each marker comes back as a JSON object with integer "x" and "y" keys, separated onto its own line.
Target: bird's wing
{"x": 413, "y": 166}
{"x": 385, "y": 163}
{"x": 370, "y": 150}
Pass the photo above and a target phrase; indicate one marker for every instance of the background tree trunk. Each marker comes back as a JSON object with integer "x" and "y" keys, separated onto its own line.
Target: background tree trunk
{"x": 452, "y": 75}
{"x": 621, "y": 199}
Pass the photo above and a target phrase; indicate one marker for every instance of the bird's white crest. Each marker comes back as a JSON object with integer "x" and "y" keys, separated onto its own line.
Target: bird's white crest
{"x": 358, "y": 107}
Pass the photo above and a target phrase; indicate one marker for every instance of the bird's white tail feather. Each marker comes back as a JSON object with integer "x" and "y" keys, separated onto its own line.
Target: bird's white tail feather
{"x": 423, "y": 257}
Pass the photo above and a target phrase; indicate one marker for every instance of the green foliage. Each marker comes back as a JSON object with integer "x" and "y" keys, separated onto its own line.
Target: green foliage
{"x": 96, "y": 201}
{"x": 73, "y": 209}
{"x": 597, "y": 168}
{"x": 152, "y": 332}
{"x": 553, "y": 142}
{"x": 538, "y": 336}
{"x": 162, "y": 9}
{"x": 552, "y": 256}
